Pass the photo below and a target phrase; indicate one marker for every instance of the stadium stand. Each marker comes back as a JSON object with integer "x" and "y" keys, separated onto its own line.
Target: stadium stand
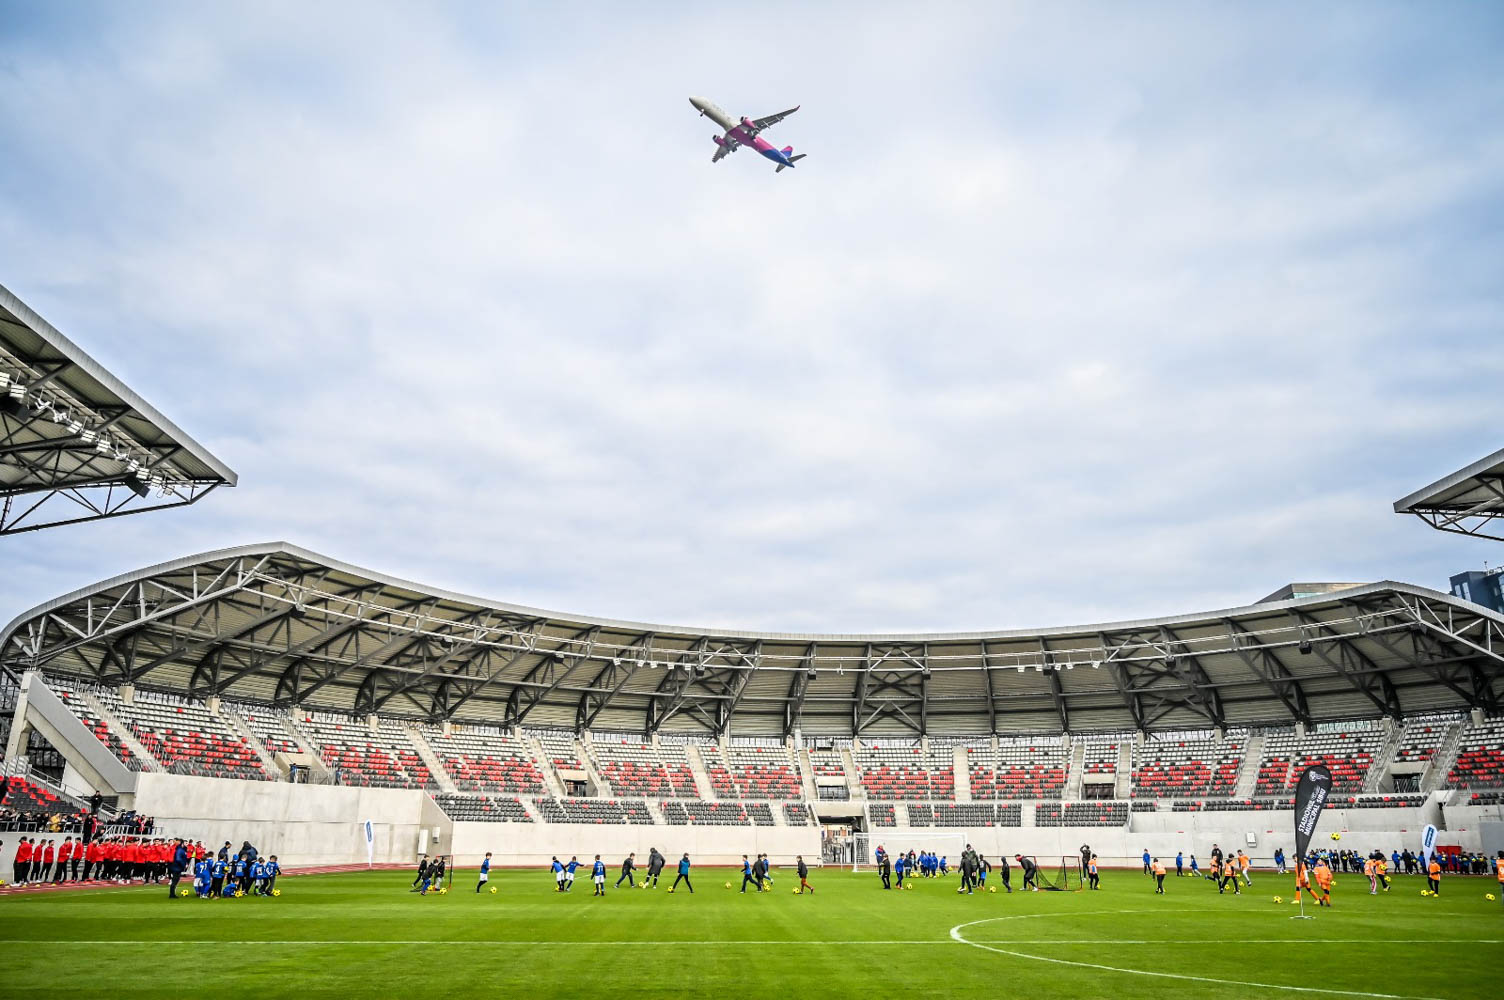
{"x": 378, "y": 759}
{"x": 1029, "y": 768}
{"x": 483, "y": 809}
{"x": 882, "y": 814}
{"x": 1183, "y": 768}
{"x": 484, "y": 759}
{"x": 798, "y": 814}
{"x": 597, "y": 811}
{"x": 633, "y": 767}
{"x": 559, "y": 750}
{"x": 1480, "y": 757}
{"x": 763, "y": 772}
{"x": 185, "y": 737}
{"x": 91, "y": 720}
{"x": 904, "y": 771}
{"x": 1081, "y": 814}
{"x": 266, "y": 725}
{"x": 689, "y": 813}
{"x": 1423, "y": 736}
{"x": 1101, "y": 755}
{"x": 721, "y": 781}
{"x": 975, "y": 814}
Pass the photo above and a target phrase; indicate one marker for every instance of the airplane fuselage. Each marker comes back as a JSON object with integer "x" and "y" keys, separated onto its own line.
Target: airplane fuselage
{"x": 741, "y": 132}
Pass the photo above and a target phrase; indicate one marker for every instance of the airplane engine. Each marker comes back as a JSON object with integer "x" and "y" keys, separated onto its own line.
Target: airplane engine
{"x": 746, "y": 122}
{"x": 718, "y": 140}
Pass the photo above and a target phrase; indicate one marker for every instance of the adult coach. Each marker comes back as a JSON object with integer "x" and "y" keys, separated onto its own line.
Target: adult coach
{"x": 1085, "y": 858}
{"x": 655, "y": 867}
{"x": 176, "y": 867}
{"x": 1031, "y": 871}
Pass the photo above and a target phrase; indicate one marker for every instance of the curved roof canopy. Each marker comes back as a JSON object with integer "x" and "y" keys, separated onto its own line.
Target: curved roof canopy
{"x": 278, "y": 623}
{"x": 1469, "y": 502}
{"x": 75, "y": 443}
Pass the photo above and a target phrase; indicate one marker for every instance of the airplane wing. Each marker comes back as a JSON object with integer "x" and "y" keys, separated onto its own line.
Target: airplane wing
{"x": 761, "y": 123}
{"x": 728, "y": 146}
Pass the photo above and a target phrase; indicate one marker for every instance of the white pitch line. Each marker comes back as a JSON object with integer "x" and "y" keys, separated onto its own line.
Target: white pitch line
{"x": 955, "y": 933}
{"x": 476, "y": 943}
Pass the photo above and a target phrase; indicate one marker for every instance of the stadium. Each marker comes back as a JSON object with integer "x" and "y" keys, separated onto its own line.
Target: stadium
{"x": 437, "y": 793}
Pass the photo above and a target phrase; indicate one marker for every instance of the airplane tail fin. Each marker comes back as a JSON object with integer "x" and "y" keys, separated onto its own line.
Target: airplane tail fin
{"x": 792, "y": 159}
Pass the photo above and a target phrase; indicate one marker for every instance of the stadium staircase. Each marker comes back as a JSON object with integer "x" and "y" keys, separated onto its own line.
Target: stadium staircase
{"x": 551, "y": 779}
{"x": 697, "y": 768}
{"x": 962, "y": 774}
{"x": 853, "y": 776}
{"x": 1248, "y": 777}
{"x": 431, "y": 760}
{"x": 779, "y": 819}
{"x": 1444, "y": 759}
{"x": 1384, "y": 758}
{"x": 1123, "y": 788}
{"x": 1076, "y": 769}
{"x": 597, "y": 780}
{"x": 321, "y": 771}
{"x": 235, "y": 724}
{"x": 655, "y": 811}
{"x": 121, "y": 731}
{"x": 807, "y": 773}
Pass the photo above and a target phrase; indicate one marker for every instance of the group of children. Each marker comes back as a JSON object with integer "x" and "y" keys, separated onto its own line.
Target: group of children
{"x": 224, "y": 876}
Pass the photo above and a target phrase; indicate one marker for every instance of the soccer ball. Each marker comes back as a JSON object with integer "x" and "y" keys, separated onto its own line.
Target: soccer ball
{"x": 1336, "y": 835}
{"x": 909, "y": 886}
{"x": 1489, "y": 896}
{"x": 239, "y": 893}
{"x": 1425, "y": 892}
{"x": 992, "y": 888}
{"x": 671, "y": 890}
{"x": 728, "y": 885}
{"x": 443, "y": 889}
{"x": 1279, "y": 899}
{"x": 276, "y": 892}
{"x": 796, "y": 892}
{"x": 493, "y": 890}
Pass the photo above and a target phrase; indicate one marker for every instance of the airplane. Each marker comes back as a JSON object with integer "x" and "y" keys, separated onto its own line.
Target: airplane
{"x": 745, "y": 133}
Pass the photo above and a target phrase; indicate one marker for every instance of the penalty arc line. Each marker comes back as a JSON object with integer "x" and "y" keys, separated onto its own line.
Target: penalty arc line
{"x": 955, "y": 933}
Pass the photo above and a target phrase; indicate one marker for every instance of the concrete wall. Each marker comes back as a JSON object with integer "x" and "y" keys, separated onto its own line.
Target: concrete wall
{"x": 301, "y": 824}
{"x": 322, "y": 824}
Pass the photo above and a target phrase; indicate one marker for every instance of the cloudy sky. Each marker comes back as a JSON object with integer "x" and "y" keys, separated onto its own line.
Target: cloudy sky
{"x": 1073, "y": 313}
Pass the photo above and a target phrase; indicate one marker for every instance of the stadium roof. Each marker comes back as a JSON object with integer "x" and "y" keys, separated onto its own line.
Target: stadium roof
{"x": 278, "y": 623}
{"x": 1468, "y": 502}
{"x": 76, "y": 444}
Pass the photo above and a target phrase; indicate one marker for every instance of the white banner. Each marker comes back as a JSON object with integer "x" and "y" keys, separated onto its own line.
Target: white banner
{"x": 370, "y": 844}
{"x": 1427, "y": 846}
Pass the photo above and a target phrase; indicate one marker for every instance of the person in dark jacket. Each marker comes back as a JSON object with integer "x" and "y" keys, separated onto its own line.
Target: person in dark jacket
{"x": 176, "y": 867}
{"x": 655, "y": 867}
{"x": 804, "y": 885}
{"x": 885, "y": 869}
{"x": 628, "y": 866}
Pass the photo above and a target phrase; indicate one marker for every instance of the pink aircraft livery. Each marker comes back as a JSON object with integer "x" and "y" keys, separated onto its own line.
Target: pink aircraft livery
{"x": 747, "y": 132}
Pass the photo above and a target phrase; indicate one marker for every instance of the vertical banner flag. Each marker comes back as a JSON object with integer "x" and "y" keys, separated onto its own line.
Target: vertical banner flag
{"x": 370, "y": 844}
{"x": 1427, "y": 846}
{"x": 1310, "y": 798}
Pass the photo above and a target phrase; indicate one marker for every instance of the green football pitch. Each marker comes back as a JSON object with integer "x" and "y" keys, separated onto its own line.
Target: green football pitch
{"x": 365, "y": 935}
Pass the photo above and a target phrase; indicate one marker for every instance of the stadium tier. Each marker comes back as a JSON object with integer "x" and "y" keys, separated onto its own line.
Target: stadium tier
{"x": 487, "y": 760}
{"x": 1168, "y": 769}
{"x": 549, "y": 723}
{"x": 1480, "y": 757}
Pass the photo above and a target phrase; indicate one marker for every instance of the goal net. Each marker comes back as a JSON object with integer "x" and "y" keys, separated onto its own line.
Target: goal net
{"x": 1058, "y": 875}
{"x": 948, "y": 845}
